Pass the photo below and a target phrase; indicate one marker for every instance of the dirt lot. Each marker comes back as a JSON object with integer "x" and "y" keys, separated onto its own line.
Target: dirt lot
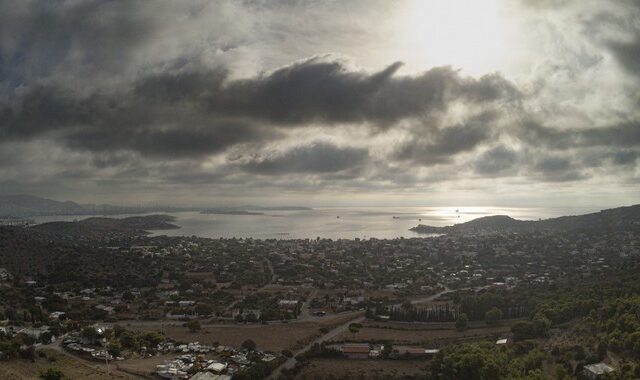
{"x": 18, "y": 369}
{"x": 273, "y": 337}
{"x": 414, "y": 333}
{"x": 361, "y": 369}
{"x": 144, "y": 367}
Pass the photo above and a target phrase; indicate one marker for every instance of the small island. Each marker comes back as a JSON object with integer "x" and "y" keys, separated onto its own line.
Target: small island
{"x": 252, "y": 210}
{"x": 230, "y": 212}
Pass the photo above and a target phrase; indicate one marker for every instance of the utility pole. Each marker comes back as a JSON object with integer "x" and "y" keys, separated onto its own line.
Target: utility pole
{"x": 106, "y": 356}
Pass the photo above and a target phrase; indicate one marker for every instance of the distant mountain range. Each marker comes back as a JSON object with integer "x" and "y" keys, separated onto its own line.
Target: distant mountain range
{"x": 611, "y": 219}
{"x": 26, "y": 206}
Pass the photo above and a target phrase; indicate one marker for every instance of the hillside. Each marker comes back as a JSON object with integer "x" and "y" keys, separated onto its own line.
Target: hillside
{"x": 91, "y": 227}
{"x": 611, "y": 219}
{"x": 29, "y": 253}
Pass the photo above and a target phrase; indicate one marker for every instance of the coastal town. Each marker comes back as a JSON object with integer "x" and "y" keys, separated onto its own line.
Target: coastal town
{"x": 189, "y": 307}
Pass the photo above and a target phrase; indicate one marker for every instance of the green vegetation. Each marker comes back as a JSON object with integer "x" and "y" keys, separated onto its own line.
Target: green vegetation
{"x": 461, "y": 322}
{"x": 493, "y": 316}
{"x": 52, "y": 374}
{"x": 485, "y": 361}
{"x": 193, "y": 325}
{"x": 249, "y": 345}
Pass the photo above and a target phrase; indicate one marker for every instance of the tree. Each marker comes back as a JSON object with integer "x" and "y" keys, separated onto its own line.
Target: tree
{"x": 52, "y": 374}
{"x": 128, "y": 340}
{"x": 407, "y": 305}
{"x": 204, "y": 309}
{"x": 90, "y": 333}
{"x": 118, "y": 330}
{"x": 461, "y": 322}
{"x": 387, "y": 349}
{"x": 114, "y": 348}
{"x": 530, "y": 329}
{"x": 28, "y": 353}
{"x": 193, "y": 325}
{"x": 249, "y": 345}
{"x": 45, "y": 337}
{"x": 354, "y": 328}
{"x": 493, "y": 316}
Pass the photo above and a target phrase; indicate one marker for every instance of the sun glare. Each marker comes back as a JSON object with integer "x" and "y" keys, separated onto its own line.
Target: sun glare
{"x": 471, "y": 35}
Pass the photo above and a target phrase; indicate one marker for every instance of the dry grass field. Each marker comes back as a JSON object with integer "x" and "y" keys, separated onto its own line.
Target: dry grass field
{"x": 361, "y": 369}
{"x": 73, "y": 368}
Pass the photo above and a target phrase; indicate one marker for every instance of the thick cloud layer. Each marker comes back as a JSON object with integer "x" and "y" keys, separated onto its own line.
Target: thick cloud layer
{"x": 231, "y": 98}
{"x": 181, "y": 113}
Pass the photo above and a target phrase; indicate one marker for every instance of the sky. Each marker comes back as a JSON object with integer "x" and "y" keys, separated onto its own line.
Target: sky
{"x": 322, "y": 103}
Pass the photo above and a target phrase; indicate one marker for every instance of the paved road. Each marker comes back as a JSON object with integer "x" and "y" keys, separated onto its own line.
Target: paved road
{"x": 305, "y": 313}
{"x": 328, "y": 336}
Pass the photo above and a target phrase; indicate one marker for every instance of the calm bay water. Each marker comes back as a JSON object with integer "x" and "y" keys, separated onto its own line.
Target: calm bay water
{"x": 338, "y": 223}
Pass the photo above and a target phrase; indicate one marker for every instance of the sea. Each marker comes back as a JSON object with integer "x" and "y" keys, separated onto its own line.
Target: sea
{"x": 336, "y": 222}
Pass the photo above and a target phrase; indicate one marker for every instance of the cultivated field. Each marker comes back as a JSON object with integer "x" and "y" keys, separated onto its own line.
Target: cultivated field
{"x": 361, "y": 369}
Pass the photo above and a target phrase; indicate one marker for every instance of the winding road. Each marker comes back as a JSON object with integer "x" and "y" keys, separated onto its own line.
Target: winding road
{"x": 291, "y": 362}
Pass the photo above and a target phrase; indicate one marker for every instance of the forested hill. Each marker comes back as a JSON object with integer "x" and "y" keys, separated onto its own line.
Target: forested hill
{"x": 92, "y": 227}
{"x": 620, "y": 218}
{"x": 30, "y": 254}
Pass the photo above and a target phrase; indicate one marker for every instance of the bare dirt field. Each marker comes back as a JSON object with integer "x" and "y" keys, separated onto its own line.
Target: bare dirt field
{"x": 361, "y": 369}
{"x": 272, "y": 337}
{"x": 73, "y": 368}
{"x": 144, "y": 367}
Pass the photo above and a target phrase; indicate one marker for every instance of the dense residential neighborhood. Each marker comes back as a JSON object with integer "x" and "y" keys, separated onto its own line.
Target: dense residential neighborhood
{"x": 181, "y": 307}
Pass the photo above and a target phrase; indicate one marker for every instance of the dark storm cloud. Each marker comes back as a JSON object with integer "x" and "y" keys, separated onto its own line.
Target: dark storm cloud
{"x": 317, "y": 90}
{"x": 441, "y": 145}
{"x": 321, "y": 90}
{"x": 102, "y": 123}
{"x": 625, "y": 46}
{"x": 167, "y": 143}
{"x": 625, "y": 157}
{"x": 620, "y": 135}
{"x": 628, "y": 54}
{"x": 495, "y": 161}
{"x": 42, "y": 37}
{"x": 182, "y": 112}
{"x": 45, "y": 109}
{"x": 557, "y": 169}
{"x": 314, "y": 158}
{"x": 142, "y": 93}
{"x": 180, "y": 86}
{"x": 444, "y": 145}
